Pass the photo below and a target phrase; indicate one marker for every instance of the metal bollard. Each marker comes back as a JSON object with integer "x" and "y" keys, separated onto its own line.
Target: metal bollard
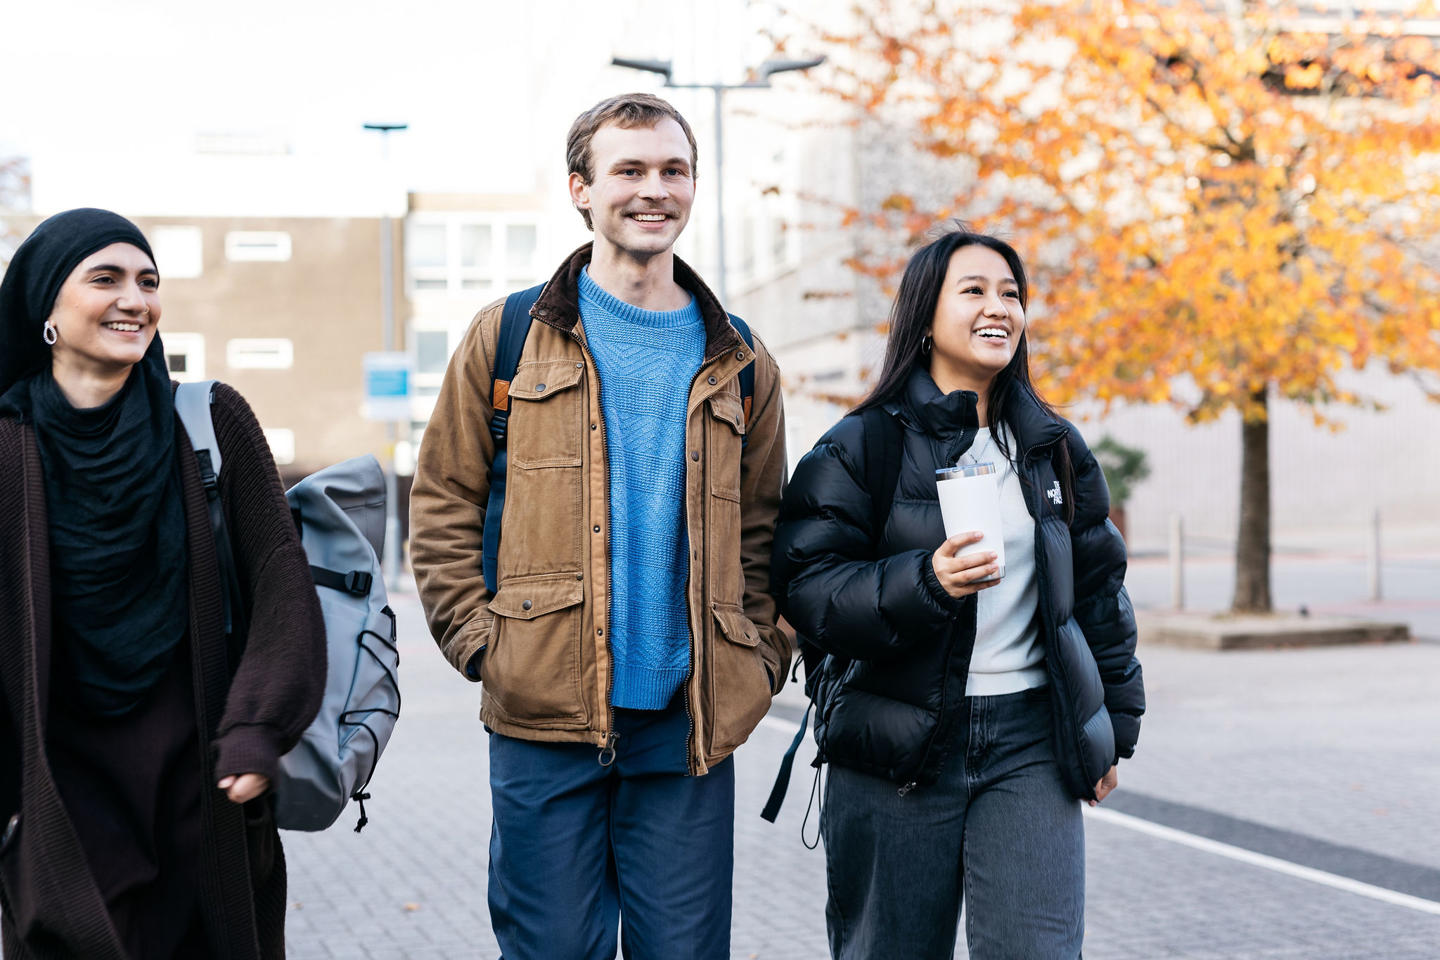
{"x": 1372, "y": 556}
{"x": 1177, "y": 561}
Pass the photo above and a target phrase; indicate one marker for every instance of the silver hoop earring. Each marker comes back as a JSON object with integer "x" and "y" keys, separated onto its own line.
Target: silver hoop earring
{"x": 51, "y": 334}
{"x": 927, "y": 342}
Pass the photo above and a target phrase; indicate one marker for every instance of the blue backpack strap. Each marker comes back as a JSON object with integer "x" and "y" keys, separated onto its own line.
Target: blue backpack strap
{"x": 782, "y": 779}
{"x": 514, "y": 328}
{"x": 747, "y": 374}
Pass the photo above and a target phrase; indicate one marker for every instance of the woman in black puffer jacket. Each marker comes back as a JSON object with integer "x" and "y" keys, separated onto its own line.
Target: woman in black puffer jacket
{"x": 965, "y": 708}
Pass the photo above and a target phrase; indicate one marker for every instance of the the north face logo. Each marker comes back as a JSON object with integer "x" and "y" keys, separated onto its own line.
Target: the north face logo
{"x": 1054, "y": 494}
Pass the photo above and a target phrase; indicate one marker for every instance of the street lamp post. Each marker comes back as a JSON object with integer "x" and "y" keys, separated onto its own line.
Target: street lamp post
{"x": 761, "y": 80}
{"x": 390, "y": 563}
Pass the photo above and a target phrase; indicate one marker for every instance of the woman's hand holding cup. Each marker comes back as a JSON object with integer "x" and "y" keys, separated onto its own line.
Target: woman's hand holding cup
{"x": 963, "y": 574}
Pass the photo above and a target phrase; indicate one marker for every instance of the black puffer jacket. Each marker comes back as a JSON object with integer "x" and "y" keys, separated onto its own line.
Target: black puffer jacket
{"x": 900, "y": 646}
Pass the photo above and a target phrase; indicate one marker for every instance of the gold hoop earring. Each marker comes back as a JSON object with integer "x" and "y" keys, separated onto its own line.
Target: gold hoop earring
{"x": 51, "y": 333}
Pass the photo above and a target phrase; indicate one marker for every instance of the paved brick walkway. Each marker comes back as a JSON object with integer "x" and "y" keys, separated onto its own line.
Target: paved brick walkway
{"x": 1336, "y": 744}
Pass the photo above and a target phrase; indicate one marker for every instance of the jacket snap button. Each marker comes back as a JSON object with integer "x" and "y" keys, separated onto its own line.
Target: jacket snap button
{"x": 739, "y": 354}
{"x": 594, "y": 426}
{"x": 579, "y": 365}
{"x": 597, "y": 528}
{"x": 539, "y": 388}
{"x": 695, "y": 455}
{"x": 599, "y": 631}
{"x": 526, "y": 605}
{"x": 713, "y": 381}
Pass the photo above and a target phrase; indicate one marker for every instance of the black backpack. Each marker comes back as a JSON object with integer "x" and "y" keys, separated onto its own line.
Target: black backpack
{"x": 514, "y": 328}
{"x": 884, "y": 448}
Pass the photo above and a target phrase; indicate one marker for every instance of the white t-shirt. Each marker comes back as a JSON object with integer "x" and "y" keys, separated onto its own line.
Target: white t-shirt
{"x": 1008, "y": 656}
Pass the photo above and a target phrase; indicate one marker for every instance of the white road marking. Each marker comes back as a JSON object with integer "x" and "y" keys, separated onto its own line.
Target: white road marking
{"x": 787, "y": 727}
{"x": 1321, "y": 877}
{"x": 1230, "y": 851}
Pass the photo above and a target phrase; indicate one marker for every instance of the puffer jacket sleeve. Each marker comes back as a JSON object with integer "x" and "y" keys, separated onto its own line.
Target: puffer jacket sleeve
{"x": 1102, "y": 605}
{"x": 825, "y": 575}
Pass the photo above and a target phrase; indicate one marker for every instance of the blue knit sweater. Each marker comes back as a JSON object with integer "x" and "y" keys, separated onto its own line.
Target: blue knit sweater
{"x": 647, "y": 360}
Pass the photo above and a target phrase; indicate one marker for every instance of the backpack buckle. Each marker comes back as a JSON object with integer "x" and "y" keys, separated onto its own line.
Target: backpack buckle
{"x": 358, "y": 582}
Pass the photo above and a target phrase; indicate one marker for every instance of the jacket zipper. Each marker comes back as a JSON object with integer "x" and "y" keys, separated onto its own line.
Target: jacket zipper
{"x": 692, "y": 746}
{"x": 967, "y": 439}
{"x": 1036, "y": 497}
{"x": 939, "y": 713}
{"x": 607, "y": 748}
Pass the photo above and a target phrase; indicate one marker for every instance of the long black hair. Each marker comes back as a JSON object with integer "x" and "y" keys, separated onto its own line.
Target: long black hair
{"x": 913, "y": 313}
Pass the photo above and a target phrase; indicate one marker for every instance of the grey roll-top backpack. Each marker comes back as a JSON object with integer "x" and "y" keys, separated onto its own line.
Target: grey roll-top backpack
{"x": 340, "y": 513}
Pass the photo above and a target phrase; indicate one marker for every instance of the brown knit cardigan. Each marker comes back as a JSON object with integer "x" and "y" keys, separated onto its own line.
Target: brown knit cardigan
{"x": 52, "y": 907}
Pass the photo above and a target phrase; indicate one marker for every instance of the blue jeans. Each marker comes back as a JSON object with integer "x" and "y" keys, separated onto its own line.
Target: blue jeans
{"x": 998, "y": 830}
{"x": 575, "y": 845}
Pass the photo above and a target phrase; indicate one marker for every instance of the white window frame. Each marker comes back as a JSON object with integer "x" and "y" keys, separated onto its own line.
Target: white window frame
{"x": 192, "y": 345}
{"x": 494, "y": 278}
{"x": 257, "y": 246}
{"x": 179, "y": 251}
{"x": 260, "y": 353}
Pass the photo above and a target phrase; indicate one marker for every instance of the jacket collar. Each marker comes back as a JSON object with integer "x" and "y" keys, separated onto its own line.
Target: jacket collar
{"x": 1036, "y": 429}
{"x": 951, "y": 417}
{"x": 559, "y": 303}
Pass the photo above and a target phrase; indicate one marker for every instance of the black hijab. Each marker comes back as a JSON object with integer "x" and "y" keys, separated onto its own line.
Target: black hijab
{"x": 112, "y": 490}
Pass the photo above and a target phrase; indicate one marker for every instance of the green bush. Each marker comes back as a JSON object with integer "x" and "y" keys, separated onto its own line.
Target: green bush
{"x": 1124, "y": 467}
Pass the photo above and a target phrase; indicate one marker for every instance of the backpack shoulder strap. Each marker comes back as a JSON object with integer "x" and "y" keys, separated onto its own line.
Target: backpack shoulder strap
{"x": 192, "y": 405}
{"x": 514, "y": 329}
{"x": 747, "y": 372}
{"x": 884, "y": 442}
{"x": 515, "y": 322}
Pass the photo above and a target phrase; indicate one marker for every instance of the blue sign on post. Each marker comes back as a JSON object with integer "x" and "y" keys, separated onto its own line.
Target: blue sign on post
{"x": 387, "y": 386}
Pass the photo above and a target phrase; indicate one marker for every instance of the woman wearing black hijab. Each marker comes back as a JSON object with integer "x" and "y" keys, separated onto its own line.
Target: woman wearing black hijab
{"x": 137, "y": 741}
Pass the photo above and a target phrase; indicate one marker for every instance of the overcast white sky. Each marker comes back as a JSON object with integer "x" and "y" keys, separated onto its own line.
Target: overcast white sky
{"x": 105, "y": 95}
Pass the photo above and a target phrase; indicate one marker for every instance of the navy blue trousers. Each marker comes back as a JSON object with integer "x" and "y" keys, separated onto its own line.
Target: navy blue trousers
{"x": 576, "y": 845}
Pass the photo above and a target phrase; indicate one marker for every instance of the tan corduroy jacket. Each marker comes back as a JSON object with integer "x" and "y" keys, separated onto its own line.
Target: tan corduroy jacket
{"x": 541, "y": 639}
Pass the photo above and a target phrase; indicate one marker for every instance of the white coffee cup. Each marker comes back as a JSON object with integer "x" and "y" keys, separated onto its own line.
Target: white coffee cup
{"x": 970, "y": 500}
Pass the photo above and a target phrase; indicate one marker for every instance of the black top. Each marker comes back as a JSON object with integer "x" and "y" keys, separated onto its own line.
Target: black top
{"x": 117, "y": 532}
{"x": 131, "y": 786}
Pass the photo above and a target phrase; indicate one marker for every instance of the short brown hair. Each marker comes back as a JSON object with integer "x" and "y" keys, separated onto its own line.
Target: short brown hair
{"x": 628, "y": 110}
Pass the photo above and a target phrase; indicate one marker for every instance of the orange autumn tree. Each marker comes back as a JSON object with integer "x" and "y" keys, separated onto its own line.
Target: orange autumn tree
{"x": 1225, "y": 204}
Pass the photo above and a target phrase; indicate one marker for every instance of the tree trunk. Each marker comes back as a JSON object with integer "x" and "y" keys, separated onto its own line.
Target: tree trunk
{"x": 1252, "y": 548}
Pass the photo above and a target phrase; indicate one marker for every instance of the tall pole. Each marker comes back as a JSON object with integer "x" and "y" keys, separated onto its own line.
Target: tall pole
{"x": 390, "y": 563}
{"x": 720, "y": 191}
{"x": 763, "y": 73}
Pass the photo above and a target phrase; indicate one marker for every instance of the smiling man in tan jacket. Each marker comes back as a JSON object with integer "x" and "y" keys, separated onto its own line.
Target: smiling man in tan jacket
{"x": 630, "y": 644}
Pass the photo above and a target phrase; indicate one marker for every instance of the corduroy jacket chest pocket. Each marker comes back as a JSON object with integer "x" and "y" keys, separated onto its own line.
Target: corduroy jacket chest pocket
{"x": 727, "y": 431}
{"x": 546, "y": 414}
{"x": 545, "y": 480}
